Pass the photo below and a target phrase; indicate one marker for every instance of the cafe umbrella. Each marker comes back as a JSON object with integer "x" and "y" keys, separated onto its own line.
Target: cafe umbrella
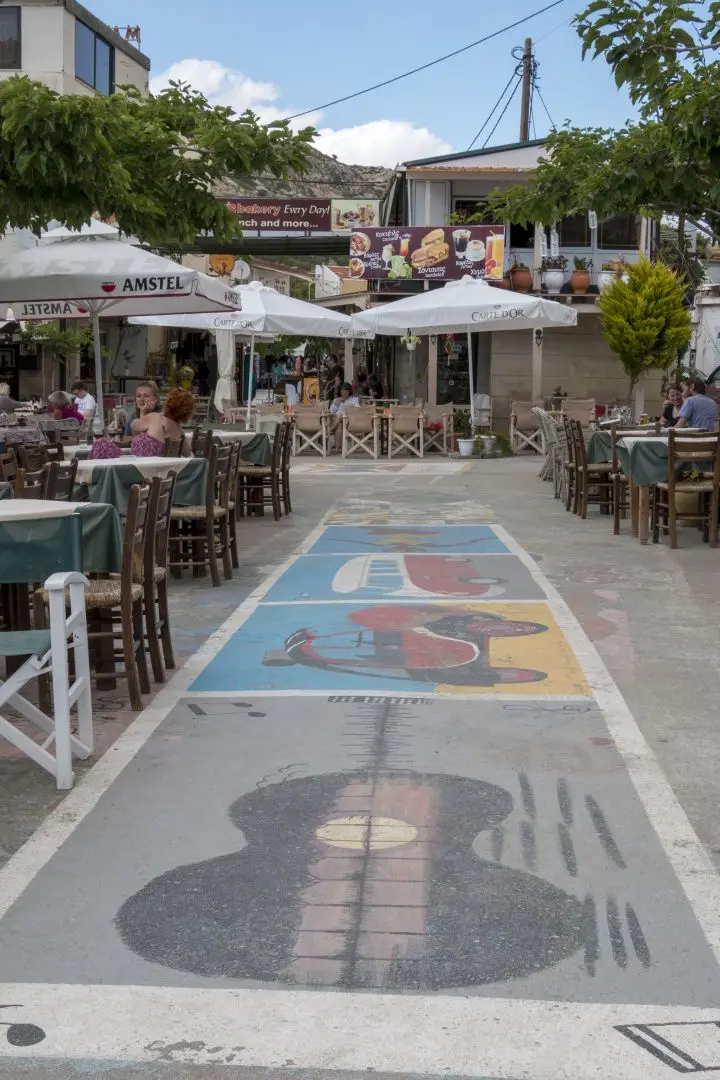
{"x": 467, "y": 306}
{"x": 265, "y": 310}
{"x": 83, "y": 277}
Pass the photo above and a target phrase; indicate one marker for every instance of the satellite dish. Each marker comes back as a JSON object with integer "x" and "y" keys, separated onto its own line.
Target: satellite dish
{"x": 242, "y": 270}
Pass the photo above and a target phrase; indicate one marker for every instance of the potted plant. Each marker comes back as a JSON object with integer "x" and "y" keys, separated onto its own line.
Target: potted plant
{"x": 499, "y": 283}
{"x": 553, "y": 272}
{"x": 462, "y": 428}
{"x": 521, "y": 277}
{"x": 410, "y": 341}
{"x": 580, "y": 277}
{"x": 608, "y": 273}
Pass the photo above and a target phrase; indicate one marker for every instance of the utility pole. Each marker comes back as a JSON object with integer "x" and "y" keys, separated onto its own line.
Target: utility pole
{"x": 526, "y": 91}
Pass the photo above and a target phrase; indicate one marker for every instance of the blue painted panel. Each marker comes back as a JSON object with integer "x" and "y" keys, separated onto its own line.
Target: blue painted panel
{"x": 439, "y": 539}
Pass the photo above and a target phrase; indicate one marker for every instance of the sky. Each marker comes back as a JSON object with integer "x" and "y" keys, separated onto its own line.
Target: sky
{"x": 280, "y": 57}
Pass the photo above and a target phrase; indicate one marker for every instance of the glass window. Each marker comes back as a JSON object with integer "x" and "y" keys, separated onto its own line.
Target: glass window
{"x": 94, "y": 59}
{"x": 471, "y": 207}
{"x": 619, "y": 231}
{"x": 521, "y": 236}
{"x": 10, "y": 38}
{"x": 574, "y": 231}
{"x": 103, "y": 66}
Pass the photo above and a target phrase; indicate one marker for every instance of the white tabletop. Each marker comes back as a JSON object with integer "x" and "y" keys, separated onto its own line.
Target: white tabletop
{"x": 27, "y": 509}
{"x": 146, "y": 466}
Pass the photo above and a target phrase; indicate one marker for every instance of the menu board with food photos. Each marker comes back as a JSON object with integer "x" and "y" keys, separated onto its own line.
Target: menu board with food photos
{"x": 438, "y": 254}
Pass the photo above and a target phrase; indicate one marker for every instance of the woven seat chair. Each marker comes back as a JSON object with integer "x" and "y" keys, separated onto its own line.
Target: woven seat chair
{"x": 173, "y": 447}
{"x": 8, "y": 466}
{"x": 60, "y": 485}
{"x": 201, "y": 443}
{"x": 593, "y": 483}
{"x": 32, "y": 485}
{"x": 32, "y": 458}
{"x": 115, "y": 607}
{"x": 155, "y": 575}
{"x": 68, "y": 436}
{"x": 234, "y": 501}
{"x": 260, "y": 485}
{"x": 550, "y": 444}
{"x": 700, "y": 452}
{"x": 200, "y": 535}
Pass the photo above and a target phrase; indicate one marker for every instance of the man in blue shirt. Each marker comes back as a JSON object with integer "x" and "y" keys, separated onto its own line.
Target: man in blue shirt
{"x": 698, "y": 411}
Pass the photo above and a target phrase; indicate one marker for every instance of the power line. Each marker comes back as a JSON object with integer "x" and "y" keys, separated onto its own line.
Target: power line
{"x": 542, "y": 99}
{"x": 431, "y": 63}
{"x": 490, "y": 114}
{"x": 507, "y": 105}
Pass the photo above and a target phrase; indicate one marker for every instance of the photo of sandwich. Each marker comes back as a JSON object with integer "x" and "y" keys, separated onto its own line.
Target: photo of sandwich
{"x": 356, "y": 267}
{"x": 433, "y": 250}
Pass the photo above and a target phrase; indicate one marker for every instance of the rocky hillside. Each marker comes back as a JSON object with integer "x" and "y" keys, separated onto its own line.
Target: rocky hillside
{"x": 326, "y": 177}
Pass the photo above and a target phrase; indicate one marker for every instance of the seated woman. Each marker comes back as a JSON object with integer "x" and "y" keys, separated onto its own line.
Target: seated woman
{"x": 61, "y": 406}
{"x": 151, "y": 429}
{"x": 8, "y": 404}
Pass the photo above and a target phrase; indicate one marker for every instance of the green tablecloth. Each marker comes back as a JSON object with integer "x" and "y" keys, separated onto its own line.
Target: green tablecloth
{"x": 102, "y": 541}
{"x": 599, "y": 448}
{"x": 255, "y": 448}
{"x": 6, "y": 490}
{"x": 112, "y": 485}
{"x": 102, "y": 537}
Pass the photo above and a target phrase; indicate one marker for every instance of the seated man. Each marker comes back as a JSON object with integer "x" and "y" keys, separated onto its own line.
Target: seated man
{"x": 337, "y": 410}
{"x": 85, "y": 402}
{"x": 697, "y": 411}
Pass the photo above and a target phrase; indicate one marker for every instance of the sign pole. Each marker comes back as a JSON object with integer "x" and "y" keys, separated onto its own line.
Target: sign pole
{"x": 251, "y": 367}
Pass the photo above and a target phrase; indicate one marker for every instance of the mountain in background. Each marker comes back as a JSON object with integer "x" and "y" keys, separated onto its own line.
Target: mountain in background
{"x": 326, "y": 177}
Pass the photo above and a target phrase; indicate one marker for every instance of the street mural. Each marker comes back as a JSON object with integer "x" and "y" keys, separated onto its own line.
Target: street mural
{"x": 409, "y": 539}
{"x": 392, "y": 576}
{"x": 18, "y": 1033}
{"x": 359, "y": 880}
{"x": 513, "y": 648}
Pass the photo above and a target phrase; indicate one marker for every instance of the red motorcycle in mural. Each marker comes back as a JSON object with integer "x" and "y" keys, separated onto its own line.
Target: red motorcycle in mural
{"x": 405, "y": 576}
{"x": 432, "y": 644}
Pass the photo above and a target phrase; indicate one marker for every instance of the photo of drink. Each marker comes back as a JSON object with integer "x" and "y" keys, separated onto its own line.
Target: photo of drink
{"x": 460, "y": 240}
{"x": 387, "y": 254}
{"x": 405, "y": 245}
{"x": 495, "y": 256}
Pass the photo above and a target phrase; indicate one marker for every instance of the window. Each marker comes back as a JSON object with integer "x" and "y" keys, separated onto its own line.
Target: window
{"x": 521, "y": 236}
{"x": 10, "y": 38}
{"x": 94, "y": 59}
{"x": 619, "y": 231}
{"x": 574, "y": 231}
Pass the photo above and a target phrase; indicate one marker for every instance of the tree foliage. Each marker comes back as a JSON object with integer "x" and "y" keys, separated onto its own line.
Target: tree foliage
{"x": 149, "y": 162}
{"x": 644, "y": 319}
{"x": 663, "y": 53}
{"x": 61, "y": 343}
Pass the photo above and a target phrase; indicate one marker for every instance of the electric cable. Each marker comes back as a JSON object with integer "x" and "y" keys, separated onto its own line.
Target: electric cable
{"x": 542, "y": 99}
{"x": 490, "y": 114}
{"x": 431, "y": 63}
{"x": 507, "y": 105}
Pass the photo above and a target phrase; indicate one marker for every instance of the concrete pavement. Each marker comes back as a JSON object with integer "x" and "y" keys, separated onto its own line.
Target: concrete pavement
{"x": 394, "y": 815}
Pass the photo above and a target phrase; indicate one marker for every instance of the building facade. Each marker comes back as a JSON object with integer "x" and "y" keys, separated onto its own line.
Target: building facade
{"x": 62, "y": 44}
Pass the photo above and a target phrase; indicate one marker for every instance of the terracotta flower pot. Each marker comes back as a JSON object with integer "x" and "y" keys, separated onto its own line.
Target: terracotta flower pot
{"x": 499, "y": 283}
{"x": 580, "y": 281}
{"x": 522, "y": 280}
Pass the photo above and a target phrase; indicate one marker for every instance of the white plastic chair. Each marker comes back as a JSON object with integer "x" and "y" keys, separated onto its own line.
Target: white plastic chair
{"x": 49, "y": 651}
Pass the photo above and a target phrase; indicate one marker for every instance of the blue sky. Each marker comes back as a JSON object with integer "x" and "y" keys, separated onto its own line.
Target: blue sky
{"x": 281, "y": 56}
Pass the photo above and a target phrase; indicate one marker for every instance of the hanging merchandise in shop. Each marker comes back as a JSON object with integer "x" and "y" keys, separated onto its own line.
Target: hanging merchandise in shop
{"x": 285, "y": 216}
{"x": 431, "y": 254}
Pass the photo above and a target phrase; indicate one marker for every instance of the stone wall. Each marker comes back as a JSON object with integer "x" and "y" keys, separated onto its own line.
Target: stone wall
{"x": 578, "y": 359}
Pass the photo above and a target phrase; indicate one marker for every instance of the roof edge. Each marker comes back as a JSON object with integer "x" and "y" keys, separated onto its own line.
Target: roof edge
{"x": 107, "y": 32}
{"x": 473, "y": 153}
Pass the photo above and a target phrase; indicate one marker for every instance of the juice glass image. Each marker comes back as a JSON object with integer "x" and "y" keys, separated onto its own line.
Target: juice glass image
{"x": 494, "y": 256}
{"x": 387, "y": 252}
{"x": 460, "y": 240}
{"x": 405, "y": 245}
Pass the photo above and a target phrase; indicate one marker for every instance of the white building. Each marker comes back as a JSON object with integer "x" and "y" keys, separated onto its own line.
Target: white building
{"x": 62, "y": 44}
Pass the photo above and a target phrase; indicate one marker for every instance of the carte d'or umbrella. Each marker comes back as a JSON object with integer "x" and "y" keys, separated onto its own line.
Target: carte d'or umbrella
{"x": 358, "y": 879}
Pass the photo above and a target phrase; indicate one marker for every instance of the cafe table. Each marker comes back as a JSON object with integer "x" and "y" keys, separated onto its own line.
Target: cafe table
{"x": 255, "y": 447}
{"x": 599, "y": 446}
{"x": 6, "y": 490}
{"x": 108, "y": 480}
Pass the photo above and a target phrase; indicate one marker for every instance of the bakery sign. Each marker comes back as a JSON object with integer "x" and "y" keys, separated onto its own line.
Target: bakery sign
{"x": 287, "y": 216}
{"x": 438, "y": 254}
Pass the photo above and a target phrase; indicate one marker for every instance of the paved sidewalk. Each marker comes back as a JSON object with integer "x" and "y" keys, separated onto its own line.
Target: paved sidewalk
{"x": 395, "y": 815}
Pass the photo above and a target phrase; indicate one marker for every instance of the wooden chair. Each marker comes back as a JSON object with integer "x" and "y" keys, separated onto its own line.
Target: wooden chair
{"x": 525, "y": 431}
{"x": 700, "y": 453}
{"x": 54, "y": 452}
{"x": 311, "y": 429}
{"x": 441, "y": 437}
{"x": 201, "y": 443}
{"x": 260, "y": 485}
{"x": 361, "y": 431}
{"x": 155, "y": 583}
{"x": 61, "y": 480}
{"x": 582, "y": 409}
{"x": 173, "y": 448}
{"x": 621, "y": 483}
{"x": 200, "y": 535}
{"x": 570, "y": 467}
{"x": 289, "y": 438}
{"x": 32, "y": 485}
{"x": 8, "y": 466}
{"x": 115, "y": 606}
{"x": 68, "y": 436}
{"x": 234, "y": 503}
{"x": 597, "y": 477}
{"x": 405, "y": 430}
{"x": 32, "y": 458}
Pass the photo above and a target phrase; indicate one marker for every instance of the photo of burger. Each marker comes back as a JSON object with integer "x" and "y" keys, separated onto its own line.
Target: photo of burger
{"x": 433, "y": 250}
{"x": 356, "y": 267}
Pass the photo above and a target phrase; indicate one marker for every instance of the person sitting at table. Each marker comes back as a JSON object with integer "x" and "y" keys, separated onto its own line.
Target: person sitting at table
{"x": 62, "y": 407}
{"x": 337, "y": 409}
{"x": 85, "y": 402}
{"x": 671, "y": 407}
{"x": 8, "y": 404}
{"x": 698, "y": 411}
{"x": 151, "y": 429}
{"x": 146, "y": 394}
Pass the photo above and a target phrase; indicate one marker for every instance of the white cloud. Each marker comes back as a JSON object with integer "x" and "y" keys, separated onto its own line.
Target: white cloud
{"x": 379, "y": 142}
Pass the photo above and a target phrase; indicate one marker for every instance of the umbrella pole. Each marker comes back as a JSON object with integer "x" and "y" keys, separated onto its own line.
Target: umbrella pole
{"x": 251, "y": 367}
{"x": 99, "y": 418}
{"x": 472, "y": 383}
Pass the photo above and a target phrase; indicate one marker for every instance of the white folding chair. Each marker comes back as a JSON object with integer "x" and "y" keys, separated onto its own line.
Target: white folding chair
{"x": 405, "y": 430}
{"x": 48, "y": 655}
{"x": 439, "y": 438}
{"x": 525, "y": 431}
{"x": 361, "y": 431}
{"x": 310, "y": 431}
